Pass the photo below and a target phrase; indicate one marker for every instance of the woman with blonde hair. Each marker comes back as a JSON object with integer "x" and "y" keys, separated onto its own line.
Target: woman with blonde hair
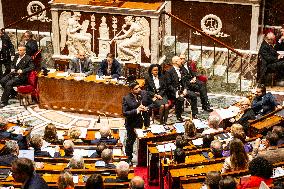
{"x": 238, "y": 159}
{"x": 50, "y": 134}
{"x": 65, "y": 181}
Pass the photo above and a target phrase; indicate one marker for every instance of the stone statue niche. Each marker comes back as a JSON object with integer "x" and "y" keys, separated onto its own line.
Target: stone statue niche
{"x": 130, "y": 42}
{"x": 73, "y": 34}
{"x": 104, "y": 45}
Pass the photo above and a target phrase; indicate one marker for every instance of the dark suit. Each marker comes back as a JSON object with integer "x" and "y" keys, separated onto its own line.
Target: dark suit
{"x": 264, "y": 105}
{"x": 39, "y": 153}
{"x": 115, "y": 69}
{"x": 198, "y": 86}
{"x": 268, "y": 59}
{"x": 86, "y": 66}
{"x": 6, "y": 52}
{"x": 279, "y": 46}
{"x": 130, "y": 103}
{"x": 11, "y": 80}
{"x": 248, "y": 115}
{"x": 31, "y": 47}
{"x": 6, "y": 160}
{"x": 105, "y": 140}
{"x": 152, "y": 90}
{"x": 35, "y": 182}
{"x": 174, "y": 84}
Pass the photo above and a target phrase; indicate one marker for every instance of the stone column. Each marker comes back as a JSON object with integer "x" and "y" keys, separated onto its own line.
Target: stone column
{"x": 254, "y": 27}
{"x": 168, "y": 20}
{"x": 1, "y": 16}
{"x": 154, "y": 40}
{"x": 55, "y": 32}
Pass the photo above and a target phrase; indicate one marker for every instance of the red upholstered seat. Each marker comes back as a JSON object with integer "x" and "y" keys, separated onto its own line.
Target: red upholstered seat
{"x": 31, "y": 87}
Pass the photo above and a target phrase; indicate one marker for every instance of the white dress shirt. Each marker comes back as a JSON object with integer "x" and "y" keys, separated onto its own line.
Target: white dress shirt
{"x": 156, "y": 82}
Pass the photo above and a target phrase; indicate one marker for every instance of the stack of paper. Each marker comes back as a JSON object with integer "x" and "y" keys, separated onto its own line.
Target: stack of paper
{"x": 157, "y": 129}
{"x": 278, "y": 172}
{"x": 140, "y": 133}
{"x": 161, "y": 148}
{"x": 62, "y": 74}
{"x": 199, "y": 124}
{"x": 170, "y": 147}
{"x": 197, "y": 142}
{"x": 179, "y": 127}
{"x": 116, "y": 152}
{"x": 83, "y": 132}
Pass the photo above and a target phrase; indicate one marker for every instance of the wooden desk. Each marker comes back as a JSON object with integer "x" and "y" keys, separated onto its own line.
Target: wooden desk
{"x": 142, "y": 144}
{"x": 86, "y": 96}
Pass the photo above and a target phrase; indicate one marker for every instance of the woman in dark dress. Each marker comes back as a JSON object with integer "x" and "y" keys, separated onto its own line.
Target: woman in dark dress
{"x": 155, "y": 85}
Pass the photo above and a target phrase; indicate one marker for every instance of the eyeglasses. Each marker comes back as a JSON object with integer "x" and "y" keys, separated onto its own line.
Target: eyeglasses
{"x": 136, "y": 88}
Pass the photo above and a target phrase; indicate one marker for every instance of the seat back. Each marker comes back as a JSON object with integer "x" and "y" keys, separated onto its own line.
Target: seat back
{"x": 37, "y": 58}
{"x": 32, "y": 79}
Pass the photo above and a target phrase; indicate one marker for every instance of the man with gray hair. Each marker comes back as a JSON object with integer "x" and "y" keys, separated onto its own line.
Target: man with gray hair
{"x": 76, "y": 162}
{"x": 106, "y": 137}
{"x": 137, "y": 183}
{"x": 10, "y": 153}
{"x": 216, "y": 148}
{"x": 122, "y": 170}
{"x": 107, "y": 158}
{"x": 82, "y": 64}
{"x": 213, "y": 123}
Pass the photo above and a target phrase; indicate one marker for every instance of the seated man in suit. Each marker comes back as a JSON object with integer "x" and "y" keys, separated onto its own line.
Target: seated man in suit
{"x": 110, "y": 67}
{"x": 105, "y": 136}
{"x": 193, "y": 85}
{"x": 107, "y": 158}
{"x": 30, "y": 43}
{"x": 23, "y": 171}
{"x": 136, "y": 183}
{"x": 263, "y": 103}
{"x": 216, "y": 148}
{"x": 21, "y": 67}
{"x": 9, "y": 153}
{"x": 279, "y": 46}
{"x": 122, "y": 171}
{"x": 270, "y": 152}
{"x": 36, "y": 143}
{"x": 269, "y": 58}
{"x": 81, "y": 64}
{"x": 76, "y": 162}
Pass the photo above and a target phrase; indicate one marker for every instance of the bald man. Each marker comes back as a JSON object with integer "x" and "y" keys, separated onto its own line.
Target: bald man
{"x": 137, "y": 183}
{"x": 270, "y": 59}
{"x": 81, "y": 64}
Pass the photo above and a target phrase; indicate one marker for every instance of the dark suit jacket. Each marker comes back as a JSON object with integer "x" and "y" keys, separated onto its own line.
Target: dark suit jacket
{"x": 7, "y": 48}
{"x": 279, "y": 46}
{"x": 115, "y": 68}
{"x": 151, "y": 88}
{"x": 264, "y": 105}
{"x": 248, "y": 115}
{"x": 87, "y": 66}
{"x": 6, "y": 160}
{"x": 187, "y": 72}
{"x": 105, "y": 140}
{"x": 36, "y": 182}
{"x": 173, "y": 83}
{"x": 129, "y": 106}
{"x": 31, "y": 47}
{"x": 39, "y": 153}
{"x": 25, "y": 64}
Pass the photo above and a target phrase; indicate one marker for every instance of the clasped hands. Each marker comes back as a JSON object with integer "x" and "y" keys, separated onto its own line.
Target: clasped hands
{"x": 142, "y": 108}
{"x": 156, "y": 96}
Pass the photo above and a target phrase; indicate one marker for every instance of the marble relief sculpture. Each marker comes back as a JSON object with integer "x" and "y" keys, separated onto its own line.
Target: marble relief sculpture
{"x": 77, "y": 37}
{"x": 129, "y": 44}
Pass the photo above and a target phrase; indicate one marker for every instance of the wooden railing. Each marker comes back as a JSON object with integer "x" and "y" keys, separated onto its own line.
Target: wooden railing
{"x": 215, "y": 42}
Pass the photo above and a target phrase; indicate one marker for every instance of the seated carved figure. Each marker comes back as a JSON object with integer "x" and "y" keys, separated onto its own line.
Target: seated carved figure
{"x": 137, "y": 36}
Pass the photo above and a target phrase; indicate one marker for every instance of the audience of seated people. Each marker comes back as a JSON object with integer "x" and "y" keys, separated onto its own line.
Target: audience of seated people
{"x": 23, "y": 171}
{"x": 65, "y": 181}
{"x": 95, "y": 181}
{"x": 238, "y": 159}
{"x": 9, "y": 153}
{"x": 213, "y": 123}
{"x": 106, "y": 137}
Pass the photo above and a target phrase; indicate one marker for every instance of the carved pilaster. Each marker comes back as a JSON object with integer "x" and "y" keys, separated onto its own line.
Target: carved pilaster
{"x": 168, "y": 20}
{"x": 254, "y": 27}
{"x": 154, "y": 40}
{"x": 55, "y": 32}
{"x": 1, "y": 16}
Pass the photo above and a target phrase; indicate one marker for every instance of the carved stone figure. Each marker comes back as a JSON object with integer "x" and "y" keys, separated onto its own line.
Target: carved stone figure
{"x": 77, "y": 37}
{"x": 137, "y": 36}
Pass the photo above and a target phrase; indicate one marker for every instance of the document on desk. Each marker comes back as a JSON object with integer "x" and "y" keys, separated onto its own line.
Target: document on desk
{"x": 226, "y": 113}
{"x": 157, "y": 129}
{"x": 197, "y": 142}
{"x": 179, "y": 127}
{"x": 81, "y": 152}
{"x": 277, "y": 172}
{"x": 83, "y": 132}
{"x": 116, "y": 152}
{"x": 170, "y": 147}
{"x": 50, "y": 150}
{"x": 140, "y": 133}
{"x": 200, "y": 124}
{"x": 60, "y": 134}
{"x": 161, "y": 148}
{"x": 62, "y": 74}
